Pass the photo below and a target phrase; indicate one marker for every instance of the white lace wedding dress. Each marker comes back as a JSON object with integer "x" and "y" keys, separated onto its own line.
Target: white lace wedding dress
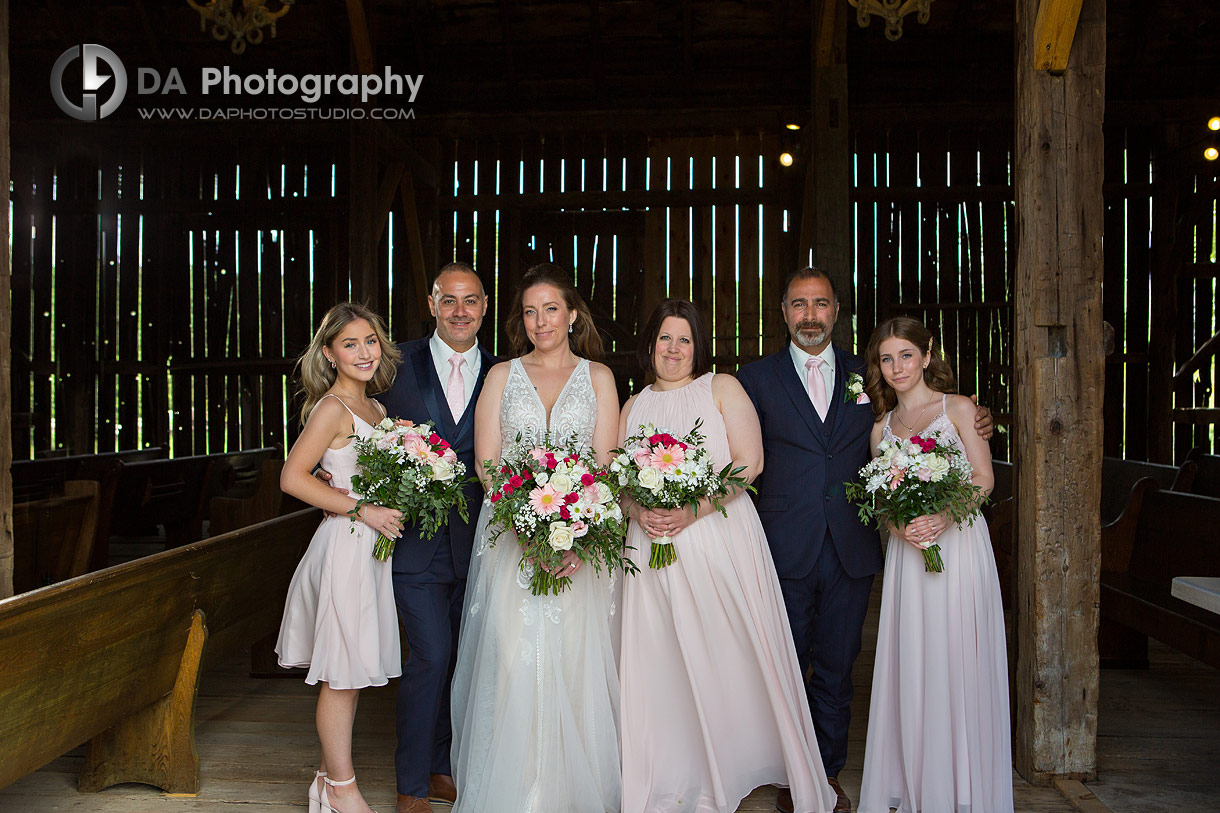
{"x": 535, "y": 691}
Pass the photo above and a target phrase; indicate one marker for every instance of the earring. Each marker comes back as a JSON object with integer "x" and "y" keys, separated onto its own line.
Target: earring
{"x": 333, "y": 365}
{"x": 570, "y": 326}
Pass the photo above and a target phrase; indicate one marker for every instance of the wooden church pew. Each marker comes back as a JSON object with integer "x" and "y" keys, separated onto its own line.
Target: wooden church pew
{"x": 113, "y": 658}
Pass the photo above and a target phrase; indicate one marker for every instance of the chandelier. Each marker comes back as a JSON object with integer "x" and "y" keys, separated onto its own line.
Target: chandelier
{"x": 244, "y": 25}
{"x": 892, "y": 11}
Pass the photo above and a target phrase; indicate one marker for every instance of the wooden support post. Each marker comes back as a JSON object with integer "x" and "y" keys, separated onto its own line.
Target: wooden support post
{"x": 6, "y": 326}
{"x": 1059, "y": 385}
{"x": 155, "y": 746}
{"x": 827, "y": 193}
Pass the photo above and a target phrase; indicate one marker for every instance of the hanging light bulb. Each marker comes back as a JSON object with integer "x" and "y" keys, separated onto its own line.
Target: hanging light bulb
{"x": 785, "y": 158}
{"x": 1211, "y": 153}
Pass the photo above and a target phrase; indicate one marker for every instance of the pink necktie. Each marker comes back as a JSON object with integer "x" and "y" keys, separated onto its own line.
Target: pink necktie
{"x": 455, "y": 390}
{"x": 817, "y": 385}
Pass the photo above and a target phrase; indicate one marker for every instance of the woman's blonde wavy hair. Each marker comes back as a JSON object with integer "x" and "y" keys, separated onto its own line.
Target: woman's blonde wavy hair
{"x": 316, "y": 374}
{"x": 938, "y": 375}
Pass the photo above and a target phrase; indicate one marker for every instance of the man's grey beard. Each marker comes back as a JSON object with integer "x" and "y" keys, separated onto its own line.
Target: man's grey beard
{"x": 817, "y": 339}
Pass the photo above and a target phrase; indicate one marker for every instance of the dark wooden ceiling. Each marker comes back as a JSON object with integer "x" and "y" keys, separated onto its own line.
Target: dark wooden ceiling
{"x": 523, "y": 58}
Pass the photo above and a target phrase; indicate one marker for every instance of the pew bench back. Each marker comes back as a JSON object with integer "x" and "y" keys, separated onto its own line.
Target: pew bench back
{"x": 82, "y": 659}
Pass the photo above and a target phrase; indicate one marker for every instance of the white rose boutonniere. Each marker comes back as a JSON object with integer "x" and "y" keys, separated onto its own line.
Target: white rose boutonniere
{"x": 854, "y": 392}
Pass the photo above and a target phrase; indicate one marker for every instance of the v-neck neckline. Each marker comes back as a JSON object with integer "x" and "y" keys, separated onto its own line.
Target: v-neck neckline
{"x": 534, "y": 388}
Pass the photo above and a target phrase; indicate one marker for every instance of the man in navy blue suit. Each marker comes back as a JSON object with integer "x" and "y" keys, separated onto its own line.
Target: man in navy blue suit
{"x": 815, "y": 439}
{"x": 439, "y": 382}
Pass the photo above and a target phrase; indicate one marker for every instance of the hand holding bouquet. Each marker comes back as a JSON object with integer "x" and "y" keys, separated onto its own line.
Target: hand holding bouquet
{"x": 556, "y": 499}
{"x": 410, "y": 468}
{"x": 913, "y": 478}
{"x": 658, "y": 470}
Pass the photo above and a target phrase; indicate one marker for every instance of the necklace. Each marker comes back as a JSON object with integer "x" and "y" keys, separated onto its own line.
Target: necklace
{"x": 910, "y": 428}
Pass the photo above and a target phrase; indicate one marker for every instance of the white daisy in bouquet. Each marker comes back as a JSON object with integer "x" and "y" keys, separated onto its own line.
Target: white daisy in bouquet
{"x": 555, "y": 498}
{"x": 659, "y": 470}
{"x": 410, "y": 468}
{"x": 913, "y": 478}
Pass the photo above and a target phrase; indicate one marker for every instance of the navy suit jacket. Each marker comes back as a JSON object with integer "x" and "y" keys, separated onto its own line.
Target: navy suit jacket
{"x": 806, "y": 462}
{"x": 418, "y": 396}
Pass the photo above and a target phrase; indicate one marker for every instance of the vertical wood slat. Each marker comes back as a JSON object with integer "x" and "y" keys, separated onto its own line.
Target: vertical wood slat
{"x": 1114, "y": 283}
{"x": 965, "y": 217}
{"x": 270, "y": 386}
{"x": 76, "y": 238}
{"x": 107, "y": 303}
{"x": 866, "y": 283}
{"x": 774, "y": 258}
{"x": 1205, "y": 323}
{"x": 994, "y": 170}
{"x": 724, "y": 257}
{"x": 161, "y": 248}
{"x": 1135, "y": 310}
{"x": 245, "y": 410}
{"x": 703, "y": 153}
{"x": 22, "y": 291}
{"x": 130, "y": 409}
{"x": 680, "y": 221}
{"x": 931, "y": 147}
{"x": 656, "y": 258}
{"x": 749, "y": 311}
{"x": 46, "y": 387}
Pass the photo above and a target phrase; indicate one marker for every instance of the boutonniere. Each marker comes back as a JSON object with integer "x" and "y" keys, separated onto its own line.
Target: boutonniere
{"x": 854, "y": 391}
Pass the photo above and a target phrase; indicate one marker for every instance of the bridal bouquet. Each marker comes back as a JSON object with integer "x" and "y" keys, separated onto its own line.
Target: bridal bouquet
{"x": 555, "y": 499}
{"x": 658, "y": 470}
{"x": 912, "y": 478}
{"x": 409, "y": 467}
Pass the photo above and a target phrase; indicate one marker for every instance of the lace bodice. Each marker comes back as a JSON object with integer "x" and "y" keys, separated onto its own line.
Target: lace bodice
{"x": 521, "y": 410}
{"x": 940, "y": 426}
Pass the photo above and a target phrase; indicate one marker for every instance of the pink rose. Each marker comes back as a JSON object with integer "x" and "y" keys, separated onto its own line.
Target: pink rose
{"x": 924, "y": 474}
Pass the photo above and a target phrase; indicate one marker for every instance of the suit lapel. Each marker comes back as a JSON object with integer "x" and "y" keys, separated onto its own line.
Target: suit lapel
{"x": 791, "y": 384}
{"x": 430, "y": 390}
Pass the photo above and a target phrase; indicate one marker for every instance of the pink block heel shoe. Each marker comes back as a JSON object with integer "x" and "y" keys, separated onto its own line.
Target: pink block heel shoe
{"x": 326, "y": 808}
{"x": 315, "y": 799}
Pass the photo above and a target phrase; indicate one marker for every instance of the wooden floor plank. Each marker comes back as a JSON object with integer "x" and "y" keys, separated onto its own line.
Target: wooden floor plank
{"x": 1159, "y": 749}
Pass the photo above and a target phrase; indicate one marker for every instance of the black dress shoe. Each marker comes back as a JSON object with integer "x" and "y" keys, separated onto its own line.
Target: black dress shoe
{"x": 783, "y": 800}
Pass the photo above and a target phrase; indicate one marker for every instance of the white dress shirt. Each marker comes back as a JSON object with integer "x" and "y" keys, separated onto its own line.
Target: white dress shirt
{"x": 441, "y": 353}
{"x": 799, "y": 357}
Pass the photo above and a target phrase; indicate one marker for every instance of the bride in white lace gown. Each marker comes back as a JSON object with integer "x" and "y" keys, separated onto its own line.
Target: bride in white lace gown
{"x": 535, "y": 691}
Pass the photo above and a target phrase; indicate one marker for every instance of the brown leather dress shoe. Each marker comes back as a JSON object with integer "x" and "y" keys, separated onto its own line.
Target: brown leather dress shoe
{"x": 842, "y": 804}
{"x": 412, "y": 804}
{"x": 441, "y": 789}
{"x": 783, "y": 800}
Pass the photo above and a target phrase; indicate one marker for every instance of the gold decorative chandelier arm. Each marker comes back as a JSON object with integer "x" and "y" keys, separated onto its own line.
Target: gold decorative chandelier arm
{"x": 243, "y": 26}
{"x": 892, "y": 11}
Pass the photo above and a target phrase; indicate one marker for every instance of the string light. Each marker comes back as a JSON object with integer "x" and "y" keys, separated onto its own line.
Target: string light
{"x": 785, "y": 158}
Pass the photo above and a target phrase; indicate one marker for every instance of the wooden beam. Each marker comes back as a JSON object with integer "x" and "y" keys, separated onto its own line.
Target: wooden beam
{"x": 1058, "y": 365}
{"x": 1054, "y": 30}
{"x": 6, "y": 326}
{"x": 362, "y": 45}
{"x": 386, "y": 193}
{"x": 362, "y": 235}
{"x": 1170, "y": 185}
{"x": 1186, "y": 372}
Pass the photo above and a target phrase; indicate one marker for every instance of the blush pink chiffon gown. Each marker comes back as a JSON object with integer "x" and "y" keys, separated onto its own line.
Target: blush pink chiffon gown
{"x": 712, "y": 701}
{"x": 938, "y": 728}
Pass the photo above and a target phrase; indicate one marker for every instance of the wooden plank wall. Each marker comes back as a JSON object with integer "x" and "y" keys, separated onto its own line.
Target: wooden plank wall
{"x": 1135, "y": 186}
{"x": 934, "y": 224}
{"x": 161, "y": 296}
{"x": 228, "y": 256}
{"x": 636, "y": 219}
